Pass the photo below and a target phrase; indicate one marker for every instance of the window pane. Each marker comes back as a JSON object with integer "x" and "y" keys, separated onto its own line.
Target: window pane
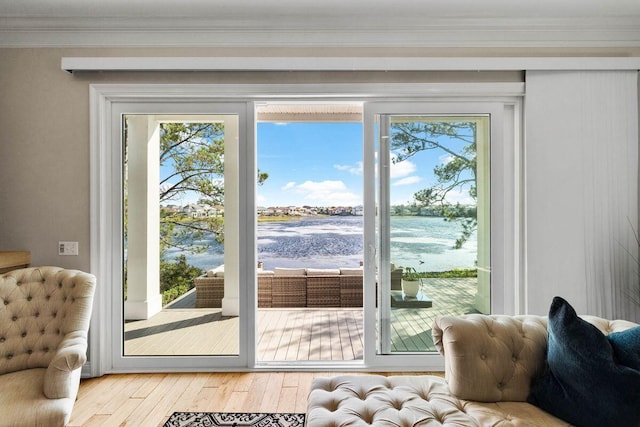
{"x": 175, "y": 236}
{"x": 437, "y": 198}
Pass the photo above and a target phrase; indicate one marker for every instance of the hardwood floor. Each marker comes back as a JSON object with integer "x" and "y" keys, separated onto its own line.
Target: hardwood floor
{"x": 147, "y": 400}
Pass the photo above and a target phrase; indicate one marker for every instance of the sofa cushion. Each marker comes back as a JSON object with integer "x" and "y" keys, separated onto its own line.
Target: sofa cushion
{"x": 323, "y": 271}
{"x": 410, "y": 400}
{"x": 582, "y": 383}
{"x": 375, "y": 400}
{"x": 351, "y": 271}
{"x": 626, "y": 347}
{"x": 281, "y": 271}
{"x": 216, "y": 272}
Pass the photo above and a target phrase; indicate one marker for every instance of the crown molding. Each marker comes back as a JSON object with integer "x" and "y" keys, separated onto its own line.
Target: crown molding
{"x": 197, "y": 32}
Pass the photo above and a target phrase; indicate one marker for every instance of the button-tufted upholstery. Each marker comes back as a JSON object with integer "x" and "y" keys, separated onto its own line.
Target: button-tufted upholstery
{"x": 489, "y": 364}
{"x": 494, "y": 358}
{"x": 44, "y": 320}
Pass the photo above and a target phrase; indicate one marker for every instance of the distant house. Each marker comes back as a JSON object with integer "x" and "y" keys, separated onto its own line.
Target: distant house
{"x": 203, "y": 211}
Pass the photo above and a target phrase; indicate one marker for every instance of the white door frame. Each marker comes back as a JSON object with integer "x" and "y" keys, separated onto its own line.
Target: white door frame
{"x": 105, "y": 164}
{"x": 498, "y": 151}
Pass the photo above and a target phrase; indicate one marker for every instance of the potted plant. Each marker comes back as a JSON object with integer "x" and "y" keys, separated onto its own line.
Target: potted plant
{"x": 410, "y": 282}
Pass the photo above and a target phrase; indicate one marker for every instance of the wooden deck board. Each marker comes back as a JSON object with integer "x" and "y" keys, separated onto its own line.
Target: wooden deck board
{"x": 312, "y": 334}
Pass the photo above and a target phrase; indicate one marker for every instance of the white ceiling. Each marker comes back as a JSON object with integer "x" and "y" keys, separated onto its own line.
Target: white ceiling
{"x": 320, "y": 22}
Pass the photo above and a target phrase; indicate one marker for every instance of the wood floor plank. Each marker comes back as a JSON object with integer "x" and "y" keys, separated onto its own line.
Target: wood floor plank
{"x": 96, "y": 421}
{"x": 243, "y": 382}
{"x": 205, "y": 400}
{"x": 150, "y": 384}
{"x": 302, "y": 390}
{"x": 133, "y": 383}
{"x": 93, "y": 401}
{"x": 258, "y": 389}
{"x": 236, "y": 400}
{"x": 287, "y": 399}
{"x": 119, "y": 416}
{"x": 152, "y": 409}
{"x": 270, "y": 400}
{"x": 291, "y": 379}
{"x": 187, "y": 400}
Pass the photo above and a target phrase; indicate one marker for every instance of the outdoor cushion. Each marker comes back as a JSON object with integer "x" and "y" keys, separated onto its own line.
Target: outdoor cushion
{"x": 280, "y": 271}
{"x": 351, "y": 271}
{"x": 323, "y": 271}
{"x": 216, "y": 272}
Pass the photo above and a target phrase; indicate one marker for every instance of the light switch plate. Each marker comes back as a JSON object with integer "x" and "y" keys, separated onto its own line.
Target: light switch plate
{"x": 67, "y": 248}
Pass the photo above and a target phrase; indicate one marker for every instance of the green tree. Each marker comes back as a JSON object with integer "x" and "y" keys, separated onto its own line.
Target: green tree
{"x": 410, "y": 138}
{"x": 176, "y": 278}
{"x": 194, "y": 152}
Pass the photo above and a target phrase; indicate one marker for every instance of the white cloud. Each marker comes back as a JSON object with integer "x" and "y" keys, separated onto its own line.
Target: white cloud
{"x": 460, "y": 196}
{"x": 288, "y": 186}
{"x": 325, "y": 193}
{"x": 407, "y": 181}
{"x": 402, "y": 169}
{"x": 352, "y": 169}
{"x": 445, "y": 158}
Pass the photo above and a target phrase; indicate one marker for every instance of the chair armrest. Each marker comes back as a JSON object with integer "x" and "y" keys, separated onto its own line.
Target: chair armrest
{"x": 61, "y": 377}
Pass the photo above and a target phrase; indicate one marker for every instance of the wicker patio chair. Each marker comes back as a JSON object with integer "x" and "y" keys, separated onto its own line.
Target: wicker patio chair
{"x": 351, "y": 290}
{"x": 323, "y": 288}
{"x": 265, "y": 285}
{"x": 209, "y": 291}
{"x": 289, "y": 288}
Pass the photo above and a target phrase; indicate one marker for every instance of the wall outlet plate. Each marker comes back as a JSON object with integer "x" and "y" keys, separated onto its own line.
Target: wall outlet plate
{"x": 67, "y": 248}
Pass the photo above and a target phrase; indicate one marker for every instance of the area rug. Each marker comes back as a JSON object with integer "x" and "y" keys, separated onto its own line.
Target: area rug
{"x": 229, "y": 419}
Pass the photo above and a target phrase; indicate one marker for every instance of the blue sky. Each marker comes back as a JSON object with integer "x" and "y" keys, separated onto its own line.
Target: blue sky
{"x": 320, "y": 164}
{"x": 316, "y": 164}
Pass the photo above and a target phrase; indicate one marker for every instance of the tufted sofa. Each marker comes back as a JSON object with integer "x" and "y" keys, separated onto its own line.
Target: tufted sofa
{"x": 44, "y": 320}
{"x": 489, "y": 364}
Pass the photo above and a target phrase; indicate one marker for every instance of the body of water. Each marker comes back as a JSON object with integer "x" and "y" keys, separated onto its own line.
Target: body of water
{"x": 425, "y": 243}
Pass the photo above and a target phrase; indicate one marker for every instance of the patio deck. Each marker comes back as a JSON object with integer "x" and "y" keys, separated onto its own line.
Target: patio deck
{"x": 323, "y": 334}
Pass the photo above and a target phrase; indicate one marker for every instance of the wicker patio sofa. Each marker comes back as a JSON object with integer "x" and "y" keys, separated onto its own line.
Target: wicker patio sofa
{"x": 289, "y": 288}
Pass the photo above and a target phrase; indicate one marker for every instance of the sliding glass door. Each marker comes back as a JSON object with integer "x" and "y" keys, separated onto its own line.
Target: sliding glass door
{"x": 432, "y": 225}
{"x": 182, "y": 302}
{"x": 194, "y": 222}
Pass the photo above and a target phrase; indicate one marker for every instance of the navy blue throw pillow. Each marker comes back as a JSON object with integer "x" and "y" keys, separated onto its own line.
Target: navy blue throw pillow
{"x": 626, "y": 347}
{"x": 583, "y": 384}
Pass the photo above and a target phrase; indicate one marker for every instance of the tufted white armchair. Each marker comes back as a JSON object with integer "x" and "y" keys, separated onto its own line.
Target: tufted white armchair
{"x": 44, "y": 321}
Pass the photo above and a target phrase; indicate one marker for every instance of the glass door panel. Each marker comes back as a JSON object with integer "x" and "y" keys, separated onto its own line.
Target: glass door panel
{"x": 180, "y": 287}
{"x": 433, "y": 224}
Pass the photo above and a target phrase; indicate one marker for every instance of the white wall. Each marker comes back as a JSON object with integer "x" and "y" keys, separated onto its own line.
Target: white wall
{"x": 581, "y": 163}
